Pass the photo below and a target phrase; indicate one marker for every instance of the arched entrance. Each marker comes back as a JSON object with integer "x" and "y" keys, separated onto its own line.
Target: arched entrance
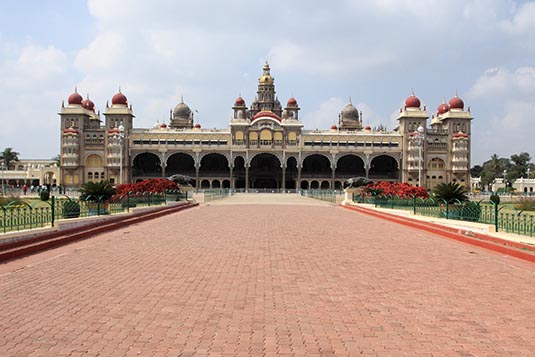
{"x": 239, "y": 172}
{"x": 214, "y": 165}
{"x": 384, "y": 167}
{"x": 265, "y": 171}
{"x": 316, "y": 166}
{"x": 291, "y": 173}
{"x": 350, "y": 166}
{"x": 180, "y": 163}
{"x": 147, "y": 165}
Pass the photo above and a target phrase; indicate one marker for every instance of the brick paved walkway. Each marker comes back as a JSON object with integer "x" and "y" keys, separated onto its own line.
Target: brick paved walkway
{"x": 270, "y": 280}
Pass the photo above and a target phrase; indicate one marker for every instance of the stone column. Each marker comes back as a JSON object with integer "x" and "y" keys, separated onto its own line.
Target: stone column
{"x": 247, "y": 177}
{"x": 333, "y": 176}
{"x": 198, "y": 183}
{"x": 298, "y": 184}
{"x": 284, "y": 177}
{"x": 231, "y": 167}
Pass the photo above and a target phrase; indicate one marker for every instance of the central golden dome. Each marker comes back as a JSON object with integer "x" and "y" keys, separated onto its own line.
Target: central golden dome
{"x": 266, "y": 76}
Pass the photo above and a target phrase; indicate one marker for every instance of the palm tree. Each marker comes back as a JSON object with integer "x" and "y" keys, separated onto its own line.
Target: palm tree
{"x": 95, "y": 191}
{"x": 8, "y": 156}
{"x": 450, "y": 192}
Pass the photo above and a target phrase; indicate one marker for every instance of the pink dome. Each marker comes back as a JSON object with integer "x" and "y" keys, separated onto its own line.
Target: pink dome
{"x": 412, "y": 102}
{"x": 163, "y": 125}
{"x": 443, "y": 108}
{"x": 239, "y": 102}
{"x": 291, "y": 102}
{"x": 197, "y": 126}
{"x": 334, "y": 127}
{"x": 75, "y": 98}
{"x": 119, "y": 98}
{"x": 456, "y": 103}
{"x": 88, "y": 104}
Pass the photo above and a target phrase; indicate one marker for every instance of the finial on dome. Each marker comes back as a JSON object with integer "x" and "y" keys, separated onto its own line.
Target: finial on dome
{"x": 456, "y": 94}
{"x": 75, "y": 89}
{"x": 350, "y": 100}
{"x": 63, "y": 104}
{"x": 119, "y": 89}
{"x": 107, "y": 104}
{"x": 87, "y": 96}
{"x": 412, "y": 92}
{"x": 182, "y": 99}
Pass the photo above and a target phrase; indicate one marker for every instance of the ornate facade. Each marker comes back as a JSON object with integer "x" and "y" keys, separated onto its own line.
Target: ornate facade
{"x": 265, "y": 145}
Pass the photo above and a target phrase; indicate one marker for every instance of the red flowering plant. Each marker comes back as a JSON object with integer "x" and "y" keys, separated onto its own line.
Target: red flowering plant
{"x": 155, "y": 185}
{"x": 398, "y": 189}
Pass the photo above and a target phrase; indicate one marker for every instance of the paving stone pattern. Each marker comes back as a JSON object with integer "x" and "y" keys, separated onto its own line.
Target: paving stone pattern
{"x": 273, "y": 280}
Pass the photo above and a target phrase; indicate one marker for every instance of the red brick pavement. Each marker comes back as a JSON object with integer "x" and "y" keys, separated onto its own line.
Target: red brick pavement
{"x": 267, "y": 280}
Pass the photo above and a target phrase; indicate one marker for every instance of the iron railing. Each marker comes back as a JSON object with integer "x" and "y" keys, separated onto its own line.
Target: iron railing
{"x": 23, "y": 214}
{"x": 504, "y": 217}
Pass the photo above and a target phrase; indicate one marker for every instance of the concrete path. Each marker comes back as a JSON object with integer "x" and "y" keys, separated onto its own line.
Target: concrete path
{"x": 273, "y": 280}
{"x": 291, "y": 199}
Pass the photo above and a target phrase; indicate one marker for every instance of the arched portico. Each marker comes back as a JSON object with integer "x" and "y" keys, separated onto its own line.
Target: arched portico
{"x": 146, "y": 164}
{"x": 265, "y": 171}
{"x": 384, "y": 167}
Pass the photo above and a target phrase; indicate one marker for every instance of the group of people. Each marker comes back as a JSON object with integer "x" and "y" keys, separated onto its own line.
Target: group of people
{"x": 39, "y": 189}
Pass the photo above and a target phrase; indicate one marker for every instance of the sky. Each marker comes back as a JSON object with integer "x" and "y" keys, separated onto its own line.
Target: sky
{"x": 321, "y": 52}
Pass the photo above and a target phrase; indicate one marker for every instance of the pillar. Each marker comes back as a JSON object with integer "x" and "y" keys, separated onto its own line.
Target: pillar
{"x": 247, "y": 177}
{"x": 284, "y": 177}
{"x": 198, "y": 183}
{"x": 298, "y": 184}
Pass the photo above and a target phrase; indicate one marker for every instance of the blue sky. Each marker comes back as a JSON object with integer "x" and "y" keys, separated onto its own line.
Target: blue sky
{"x": 320, "y": 52}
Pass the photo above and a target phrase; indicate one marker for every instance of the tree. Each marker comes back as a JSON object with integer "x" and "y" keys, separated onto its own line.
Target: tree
{"x": 8, "y": 156}
{"x": 493, "y": 168}
{"x": 476, "y": 171}
{"x": 57, "y": 159}
{"x": 450, "y": 192}
{"x": 519, "y": 167}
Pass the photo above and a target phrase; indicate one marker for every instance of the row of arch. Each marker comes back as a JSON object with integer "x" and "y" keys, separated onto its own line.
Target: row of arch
{"x": 265, "y": 169}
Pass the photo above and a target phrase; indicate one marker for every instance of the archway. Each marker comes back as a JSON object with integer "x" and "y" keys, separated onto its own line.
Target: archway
{"x": 214, "y": 165}
{"x": 205, "y": 184}
{"x": 147, "y": 165}
{"x": 325, "y": 185}
{"x": 265, "y": 171}
{"x": 239, "y": 172}
{"x": 316, "y": 166}
{"x": 180, "y": 163}
{"x": 291, "y": 173}
{"x": 384, "y": 167}
{"x": 350, "y": 166}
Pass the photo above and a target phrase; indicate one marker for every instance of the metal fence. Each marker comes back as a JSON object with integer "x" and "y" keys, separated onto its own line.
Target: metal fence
{"x": 20, "y": 214}
{"x": 504, "y": 217}
{"x": 323, "y": 195}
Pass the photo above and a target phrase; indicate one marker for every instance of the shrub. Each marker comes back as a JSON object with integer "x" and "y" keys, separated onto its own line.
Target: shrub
{"x": 95, "y": 191}
{"x": 494, "y": 198}
{"x": 71, "y": 209}
{"x": 44, "y": 195}
{"x": 403, "y": 190}
{"x": 156, "y": 185}
{"x": 450, "y": 192}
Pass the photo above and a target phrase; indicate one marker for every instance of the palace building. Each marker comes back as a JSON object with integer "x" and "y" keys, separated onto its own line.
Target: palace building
{"x": 265, "y": 145}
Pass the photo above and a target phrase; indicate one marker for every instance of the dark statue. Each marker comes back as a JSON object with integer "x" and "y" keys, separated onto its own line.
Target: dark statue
{"x": 181, "y": 179}
{"x": 355, "y": 182}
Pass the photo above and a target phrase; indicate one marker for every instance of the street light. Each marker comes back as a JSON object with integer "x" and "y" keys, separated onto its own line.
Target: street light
{"x": 528, "y": 171}
{"x": 505, "y": 179}
{"x": 3, "y": 167}
{"x": 420, "y": 144}
{"x": 121, "y": 138}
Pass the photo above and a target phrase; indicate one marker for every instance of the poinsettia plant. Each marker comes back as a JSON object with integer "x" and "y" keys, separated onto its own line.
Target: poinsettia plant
{"x": 399, "y": 189}
{"x": 155, "y": 185}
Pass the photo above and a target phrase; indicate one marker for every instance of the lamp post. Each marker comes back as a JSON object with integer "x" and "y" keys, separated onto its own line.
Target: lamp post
{"x": 505, "y": 179}
{"x": 420, "y": 145}
{"x": 3, "y": 167}
{"x": 121, "y": 138}
{"x": 528, "y": 172}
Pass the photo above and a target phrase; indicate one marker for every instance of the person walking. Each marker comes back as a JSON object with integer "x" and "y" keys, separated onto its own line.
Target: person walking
{"x": 24, "y": 189}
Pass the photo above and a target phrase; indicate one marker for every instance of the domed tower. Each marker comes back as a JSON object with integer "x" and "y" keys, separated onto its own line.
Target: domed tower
{"x": 291, "y": 112}
{"x": 266, "y": 100}
{"x": 182, "y": 116}
{"x": 240, "y": 109}
{"x": 349, "y": 118}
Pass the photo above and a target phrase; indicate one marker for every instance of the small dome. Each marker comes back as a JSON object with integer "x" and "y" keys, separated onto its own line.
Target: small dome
{"x": 368, "y": 128}
{"x": 71, "y": 131}
{"x": 119, "y": 98}
{"x": 163, "y": 125}
{"x": 239, "y": 102}
{"x": 75, "y": 99}
{"x": 334, "y": 127}
{"x": 114, "y": 131}
{"x": 350, "y": 112}
{"x": 443, "y": 108}
{"x": 291, "y": 102}
{"x": 197, "y": 126}
{"x": 412, "y": 102}
{"x": 88, "y": 104}
{"x": 456, "y": 103}
{"x": 182, "y": 110}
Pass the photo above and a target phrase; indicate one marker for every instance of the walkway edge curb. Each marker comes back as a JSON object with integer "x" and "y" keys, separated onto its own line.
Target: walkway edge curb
{"x": 476, "y": 239}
